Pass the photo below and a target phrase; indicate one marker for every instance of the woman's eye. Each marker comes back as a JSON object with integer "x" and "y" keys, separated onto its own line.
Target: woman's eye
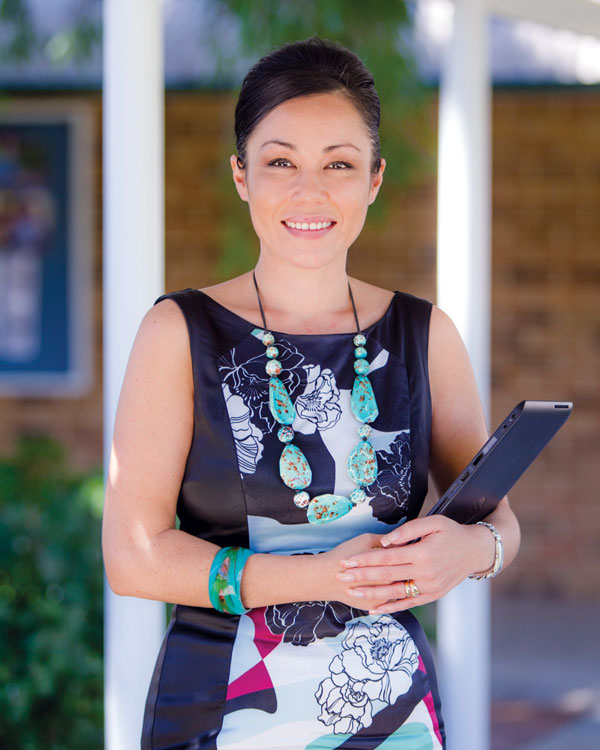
{"x": 280, "y": 163}
{"x": 340, "y": 165}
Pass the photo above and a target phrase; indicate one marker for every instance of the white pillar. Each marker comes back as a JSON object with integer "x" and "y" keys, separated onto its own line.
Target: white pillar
{"x": 463, "y": 292}
{"x": 133, "y": 269}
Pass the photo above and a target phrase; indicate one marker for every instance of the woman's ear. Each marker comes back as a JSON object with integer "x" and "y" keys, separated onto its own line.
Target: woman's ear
{"x": 376, "y": 181}
{"x": 239, "y": 176}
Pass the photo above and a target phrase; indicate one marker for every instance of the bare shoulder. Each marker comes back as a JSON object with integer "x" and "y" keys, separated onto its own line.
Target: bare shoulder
{"x": 161, "y": 349}
{"x": 164, "y": 327}
{"x": 448, "y": 357}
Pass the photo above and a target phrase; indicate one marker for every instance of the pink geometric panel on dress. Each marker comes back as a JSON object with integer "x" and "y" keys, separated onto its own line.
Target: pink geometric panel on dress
{"x": 256, "y": 678}
{"x": 428, "y": 700}
{"x": 264, "y": 640}
{"x": 422, "y": 664}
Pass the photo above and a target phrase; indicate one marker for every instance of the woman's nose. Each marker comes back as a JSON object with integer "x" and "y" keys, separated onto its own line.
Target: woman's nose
{"x": 309, "y": 186}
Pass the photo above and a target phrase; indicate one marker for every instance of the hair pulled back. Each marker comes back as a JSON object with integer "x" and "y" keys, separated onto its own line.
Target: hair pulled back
{"x": 309, "y": 66}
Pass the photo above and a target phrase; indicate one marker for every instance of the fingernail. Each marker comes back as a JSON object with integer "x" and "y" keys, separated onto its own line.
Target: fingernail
{"x": 386, "y": 542}
{"x": 349, "y": 563}
{"x": 345, "y": 577}
{"x": 354, "y": 592}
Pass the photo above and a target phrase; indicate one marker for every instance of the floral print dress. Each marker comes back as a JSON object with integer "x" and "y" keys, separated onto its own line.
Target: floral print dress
{"x": 306, "y": 675}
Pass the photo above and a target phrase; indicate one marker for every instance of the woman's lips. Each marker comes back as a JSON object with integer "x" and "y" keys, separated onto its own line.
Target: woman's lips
{"x": 309, "y": 234}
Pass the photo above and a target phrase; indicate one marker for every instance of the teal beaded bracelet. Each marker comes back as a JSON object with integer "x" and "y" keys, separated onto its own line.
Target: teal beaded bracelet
{"x": 225, "y": 579}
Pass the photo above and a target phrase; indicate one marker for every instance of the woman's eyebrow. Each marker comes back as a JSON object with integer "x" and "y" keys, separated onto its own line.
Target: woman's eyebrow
{"x": 293, "y": 148}
{"x": 341, "y": 145}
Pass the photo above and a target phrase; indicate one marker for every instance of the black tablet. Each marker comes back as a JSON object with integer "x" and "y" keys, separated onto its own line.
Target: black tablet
{"x": 500, "y": 462}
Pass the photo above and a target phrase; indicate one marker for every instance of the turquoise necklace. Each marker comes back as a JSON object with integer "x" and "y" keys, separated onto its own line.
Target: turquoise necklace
{"x": 294, "y": 468}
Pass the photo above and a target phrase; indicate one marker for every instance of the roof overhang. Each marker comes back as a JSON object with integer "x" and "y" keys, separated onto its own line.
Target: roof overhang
{"x": 580, "y": 16}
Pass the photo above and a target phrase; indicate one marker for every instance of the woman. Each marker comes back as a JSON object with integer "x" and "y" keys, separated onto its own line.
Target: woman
{"x": 290, "y": 417}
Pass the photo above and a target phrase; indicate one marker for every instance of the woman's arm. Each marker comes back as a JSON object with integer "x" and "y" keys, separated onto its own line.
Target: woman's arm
{"x": 144, "y": 554}
{"x": 459, "y": 430}
{"x": 448, "y": 552}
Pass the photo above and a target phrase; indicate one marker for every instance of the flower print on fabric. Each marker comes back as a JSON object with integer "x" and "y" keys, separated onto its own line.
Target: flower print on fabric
{"x": 302, "y": 623}
{"x": 377, "y": 663}
{"x": 247, "y": 436}
{"x": 250, "y": 382}
{"x": 391, "y": 488}
{"x": 319, "y": 404}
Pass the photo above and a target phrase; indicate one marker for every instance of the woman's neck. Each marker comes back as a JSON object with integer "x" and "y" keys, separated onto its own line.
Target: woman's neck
{"x": 306, "y": 299}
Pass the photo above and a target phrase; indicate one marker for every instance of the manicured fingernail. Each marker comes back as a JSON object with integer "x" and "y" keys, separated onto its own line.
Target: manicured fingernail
{"x": 345, "y": 577}
{"x": 349, "y": 563}
{"x": 354, "y": 592}
{"x": 386, "y": 542}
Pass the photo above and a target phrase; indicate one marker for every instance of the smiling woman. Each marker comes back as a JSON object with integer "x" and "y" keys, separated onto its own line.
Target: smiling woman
{"x": 290, "y": 417}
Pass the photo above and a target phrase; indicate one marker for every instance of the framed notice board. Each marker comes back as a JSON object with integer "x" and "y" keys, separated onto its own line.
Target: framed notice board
{"x": 46, "y": 153}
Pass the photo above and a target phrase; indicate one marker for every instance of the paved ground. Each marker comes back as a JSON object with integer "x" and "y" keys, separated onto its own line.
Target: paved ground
{"x": 545, "y": 675}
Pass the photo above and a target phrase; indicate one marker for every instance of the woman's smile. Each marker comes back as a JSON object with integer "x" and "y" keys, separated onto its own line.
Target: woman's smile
{"x": 308, "y": 227}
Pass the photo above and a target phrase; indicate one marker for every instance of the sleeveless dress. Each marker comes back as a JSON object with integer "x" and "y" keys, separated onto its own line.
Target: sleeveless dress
{"x": 307, "y": 675}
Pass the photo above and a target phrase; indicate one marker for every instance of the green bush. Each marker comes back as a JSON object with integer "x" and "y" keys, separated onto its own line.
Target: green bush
{"x": 51, "y": 602}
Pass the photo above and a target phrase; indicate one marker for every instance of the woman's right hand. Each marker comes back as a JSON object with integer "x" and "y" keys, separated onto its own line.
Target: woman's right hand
{"x": 336, "y": 579}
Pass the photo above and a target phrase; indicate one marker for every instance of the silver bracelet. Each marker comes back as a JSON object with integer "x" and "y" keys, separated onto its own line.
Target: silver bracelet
{"x": 498, "y": 555}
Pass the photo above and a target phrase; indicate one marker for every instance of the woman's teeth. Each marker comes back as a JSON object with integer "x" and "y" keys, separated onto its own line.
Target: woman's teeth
{"x": 305, "y": 225}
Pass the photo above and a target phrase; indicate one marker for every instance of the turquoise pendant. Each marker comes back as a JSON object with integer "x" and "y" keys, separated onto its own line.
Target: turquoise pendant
{"x": 325, "y": 508}
{"x": 364, "y": 405}
{"x": 362, "y": 464}
{"x": 280, "y": 403}
{"x": 294, "y": 468}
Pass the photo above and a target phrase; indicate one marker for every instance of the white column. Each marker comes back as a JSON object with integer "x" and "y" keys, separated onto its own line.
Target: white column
{"x": 463, "y": 292}
{"x": 133, "y": 269}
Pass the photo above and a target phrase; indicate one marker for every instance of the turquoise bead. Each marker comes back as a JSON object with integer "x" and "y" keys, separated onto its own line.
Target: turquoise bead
{"x": 363, "y": 403}
{"x": 358, "y": 496}
{"x": 361, "y": 366}
{"x": 364, "y": 431}
{"x": 272, "y": 352}
{"x": 362, "y": 464}
{"x": 273, "y": 367}
{"x": 280, "y": 403}
{"x": 294, "y": 469}
{"x": 359, "y": 340}
{"x": 325, "y": 508}
{"x": 268, "y": 339}
{"x": 360, "y": 352}
{"x": 285, "y": 433}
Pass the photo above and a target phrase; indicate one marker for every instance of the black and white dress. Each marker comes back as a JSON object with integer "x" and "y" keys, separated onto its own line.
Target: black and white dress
{"x": 308, "y": 675}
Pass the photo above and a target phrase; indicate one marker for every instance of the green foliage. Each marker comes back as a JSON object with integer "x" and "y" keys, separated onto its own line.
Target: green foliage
{"x": 51, "y": 602}
{"x": 21, "y": 38}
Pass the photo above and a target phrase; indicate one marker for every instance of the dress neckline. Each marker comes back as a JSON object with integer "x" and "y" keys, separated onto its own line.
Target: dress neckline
{"x": 252, "y": 326}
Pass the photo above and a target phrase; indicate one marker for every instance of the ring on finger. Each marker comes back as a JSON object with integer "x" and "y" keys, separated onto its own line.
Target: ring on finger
{"x": 411, "y": 588}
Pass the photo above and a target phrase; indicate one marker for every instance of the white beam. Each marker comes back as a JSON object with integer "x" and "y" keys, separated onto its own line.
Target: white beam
{"x": 580, "y": 16}
{"x": 463, "y": 291}
{"x": 133, "y": 270}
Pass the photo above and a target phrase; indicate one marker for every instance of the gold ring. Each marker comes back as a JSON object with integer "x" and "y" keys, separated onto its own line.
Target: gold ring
{"x": 411, "y": 588}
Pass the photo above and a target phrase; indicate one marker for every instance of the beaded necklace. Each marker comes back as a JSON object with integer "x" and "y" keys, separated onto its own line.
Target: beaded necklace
{"x": 294, "y": 468}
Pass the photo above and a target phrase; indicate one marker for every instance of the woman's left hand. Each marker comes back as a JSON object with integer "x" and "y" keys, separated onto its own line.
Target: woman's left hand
{"x": 446, "y": 553}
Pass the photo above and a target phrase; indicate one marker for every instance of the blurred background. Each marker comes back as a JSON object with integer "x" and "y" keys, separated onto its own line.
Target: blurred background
{"x": 545, "y": 317}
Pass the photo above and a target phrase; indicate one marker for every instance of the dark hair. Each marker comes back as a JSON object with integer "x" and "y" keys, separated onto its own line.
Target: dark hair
{"x": 310, "y": 66}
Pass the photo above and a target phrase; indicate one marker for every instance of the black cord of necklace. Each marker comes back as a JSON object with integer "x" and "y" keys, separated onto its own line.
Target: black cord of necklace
{"x": 262, "y": 312}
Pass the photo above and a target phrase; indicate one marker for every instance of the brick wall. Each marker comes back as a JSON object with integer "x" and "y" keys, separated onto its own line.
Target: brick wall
{"x": 545, "y": 311}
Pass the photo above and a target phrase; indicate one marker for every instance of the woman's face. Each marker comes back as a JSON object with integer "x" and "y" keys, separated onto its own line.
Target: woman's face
{"x": 308, "y": 179}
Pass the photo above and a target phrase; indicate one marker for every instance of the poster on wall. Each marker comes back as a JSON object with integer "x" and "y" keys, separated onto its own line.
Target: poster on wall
{"x": 46, "y": 291}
